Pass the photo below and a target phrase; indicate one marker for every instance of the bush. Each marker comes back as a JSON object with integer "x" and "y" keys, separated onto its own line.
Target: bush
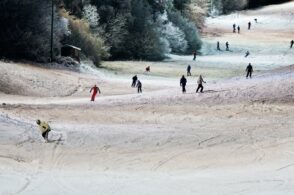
{"x": 66, "y": 61}
{"x": 196, "y": 14}
{"x": 92, "y": 46}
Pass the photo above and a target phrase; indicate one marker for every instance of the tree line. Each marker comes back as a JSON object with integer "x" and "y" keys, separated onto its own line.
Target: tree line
{"x": 104, "y": 29}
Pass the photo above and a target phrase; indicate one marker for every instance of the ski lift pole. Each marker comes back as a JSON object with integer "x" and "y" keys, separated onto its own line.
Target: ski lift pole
{"x": 52, "y": 26}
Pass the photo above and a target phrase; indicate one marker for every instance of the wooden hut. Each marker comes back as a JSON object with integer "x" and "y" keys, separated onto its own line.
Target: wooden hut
{"x": 71, "y": 51}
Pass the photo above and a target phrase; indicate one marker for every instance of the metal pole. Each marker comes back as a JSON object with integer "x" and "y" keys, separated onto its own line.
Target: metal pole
{"x": 52, "y": 24}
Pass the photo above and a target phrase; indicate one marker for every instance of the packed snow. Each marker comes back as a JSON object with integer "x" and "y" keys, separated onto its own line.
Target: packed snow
{"x": 235, "y": 138}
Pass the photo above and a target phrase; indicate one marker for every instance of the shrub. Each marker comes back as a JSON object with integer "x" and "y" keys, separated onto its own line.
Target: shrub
{"x": 92, "y": 46}
{"x": 196, "y": 14}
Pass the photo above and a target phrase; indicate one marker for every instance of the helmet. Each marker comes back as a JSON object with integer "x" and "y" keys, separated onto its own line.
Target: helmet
{"x": 38, "y": 122}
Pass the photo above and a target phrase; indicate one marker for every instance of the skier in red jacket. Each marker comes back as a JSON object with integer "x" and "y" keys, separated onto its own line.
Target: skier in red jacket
{"x": 95, "y": 89}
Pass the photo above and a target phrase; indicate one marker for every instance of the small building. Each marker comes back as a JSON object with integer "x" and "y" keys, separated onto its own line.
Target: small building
{"x": 71, "y": 51}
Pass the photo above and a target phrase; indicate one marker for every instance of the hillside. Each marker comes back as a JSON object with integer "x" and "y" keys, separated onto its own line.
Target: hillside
{"x": 237, "y": 136}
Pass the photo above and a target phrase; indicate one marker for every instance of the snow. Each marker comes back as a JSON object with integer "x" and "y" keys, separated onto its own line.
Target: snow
{"x": 236, "y": 138}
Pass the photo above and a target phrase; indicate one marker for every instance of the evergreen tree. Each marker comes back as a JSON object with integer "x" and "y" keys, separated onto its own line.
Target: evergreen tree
{"x": 25, "y": 29}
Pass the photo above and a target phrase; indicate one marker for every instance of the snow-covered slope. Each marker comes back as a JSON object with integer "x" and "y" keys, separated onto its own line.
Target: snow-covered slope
{"x": 235, "y": 138}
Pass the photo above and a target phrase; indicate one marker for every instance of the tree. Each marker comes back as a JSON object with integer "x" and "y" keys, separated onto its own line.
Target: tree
{"x": 180, "y": 4}
{"x": 25, "y": 29}
{"x": 189, "y": 28}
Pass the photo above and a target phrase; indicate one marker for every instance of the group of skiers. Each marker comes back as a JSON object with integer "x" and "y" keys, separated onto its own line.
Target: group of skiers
{"x": 239, "y": 28}
{"x": 227, "y": 46}
{"x": 200, "y": 81}
{"x": 45, "y": 128}
{"x": 183, "y": 81}
{"x": 137, "y": 83}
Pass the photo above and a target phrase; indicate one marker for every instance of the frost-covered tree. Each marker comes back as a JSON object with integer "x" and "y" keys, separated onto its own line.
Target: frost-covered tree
{"x": 90, "y": 13}
{"x": 174, "y": 36}
{"x": 137, "y": 29}
{"x": 117, "y": 33}
{"x": 144, "y": 41}
{"x": 189, "y": 28}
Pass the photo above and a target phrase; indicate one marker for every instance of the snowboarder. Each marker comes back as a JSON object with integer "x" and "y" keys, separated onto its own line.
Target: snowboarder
{"x": 239, "y": 29}
{"x": 189, "y": 71}
{"x": 44, "y": 128}
{"x": 234, "y": 28}
{"x": 249, "y": 70}
{"x": 135, "y": 78}
{"x": 139, "y": 86}
{"x": 291, "y": 44}
{"x": 95, "y": 89}
{"x": 255, "y": 20}
{"x": 194, "y": 55}
{"x": 249, "y": 25}
{"x": 147, "y": 69}
{"x": 218, "y": 46}
{"x": 183, "y": 83}
{"x": 200, "y": 86}
{"x": 227, "y": 46}
{"x": 247, "y": 54}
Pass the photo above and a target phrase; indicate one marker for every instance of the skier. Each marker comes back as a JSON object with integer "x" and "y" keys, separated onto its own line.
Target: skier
{"x": 249, "y": 70}
{"x": 227, "y": 46}
{"x": 217, "y": 46}
{"x": 255, "y": 20}
{"x": 44, "y": 128}
{"x": 234, "y": 28}
{"x": 249, "y": 25}
{"x": 291, "y": 44}
{"x": 189, "y": 71}
{"x": 194, "y": 54}
{"x": 239, "y": 29}
{"x": 247, "y": 54}
{"x": 135, "y": 78}
{"x": 183, "y": 83}
{"x": 95, "y": 89}
{"x": 147, "y": 69}
{"x": 200, "y": 86}
{"x": 139, "y": 86}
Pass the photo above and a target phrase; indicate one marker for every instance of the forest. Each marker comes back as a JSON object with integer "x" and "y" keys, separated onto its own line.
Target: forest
{"x": 108, "y": 29}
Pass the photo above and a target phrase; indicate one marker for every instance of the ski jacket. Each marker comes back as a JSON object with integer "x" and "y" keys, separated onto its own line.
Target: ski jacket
{"x": 200, "y": 81}
{"x": 44, "y": 127}
{"x": 183, "y": 81}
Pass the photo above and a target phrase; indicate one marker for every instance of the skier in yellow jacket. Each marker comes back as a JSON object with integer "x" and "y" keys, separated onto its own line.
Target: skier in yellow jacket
{"x": 44, "y": 128}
